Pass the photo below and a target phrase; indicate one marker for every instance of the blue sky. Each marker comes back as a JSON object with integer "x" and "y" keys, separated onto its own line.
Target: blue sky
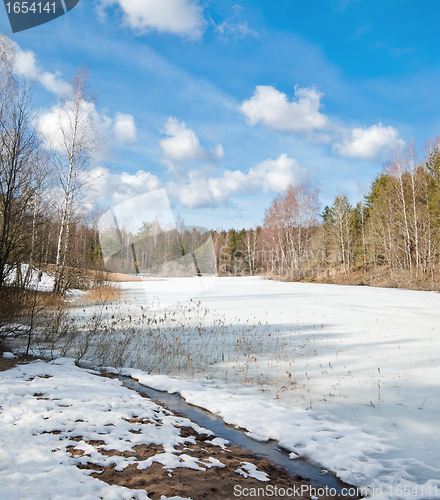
{"x": 224, "y": 103}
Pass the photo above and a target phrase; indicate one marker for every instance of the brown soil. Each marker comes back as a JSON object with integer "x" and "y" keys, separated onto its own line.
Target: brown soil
{"x": 216, "y": 483}
{"x": 7, "y": 364}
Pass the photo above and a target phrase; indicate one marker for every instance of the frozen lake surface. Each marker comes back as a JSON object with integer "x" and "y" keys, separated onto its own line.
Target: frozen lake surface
{"x": 346, "y": 376}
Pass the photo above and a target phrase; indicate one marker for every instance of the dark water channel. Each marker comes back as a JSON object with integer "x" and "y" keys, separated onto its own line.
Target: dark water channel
{"x": 237, "y": 436}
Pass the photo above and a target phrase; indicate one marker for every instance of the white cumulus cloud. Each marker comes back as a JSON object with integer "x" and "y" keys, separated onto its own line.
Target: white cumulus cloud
{"x": 369, "y": 143}
{"x": 276, "y": 175}
{"x": 178, "y": 17}
{"x": 272, "y": 108}
{"x": 26, "y": 64}
{"x": 197, "y": 190}
{"x": 55, "y": 125}
{"x": 124, "y": 186}
{"x": 218, "y": 151}
{"x": 269, "y": 175}
{"x": 182, "y": 145}
{"x": 124, "y": 129}
{"x": 54, "y": 83}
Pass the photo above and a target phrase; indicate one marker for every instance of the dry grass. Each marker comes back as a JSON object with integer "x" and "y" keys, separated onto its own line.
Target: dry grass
{"x": 120, "y": 277}
{"x": 17, "y": 302}
{"x": 100, "y": 294}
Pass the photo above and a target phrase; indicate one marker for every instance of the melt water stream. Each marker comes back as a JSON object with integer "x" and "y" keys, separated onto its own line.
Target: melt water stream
{"x": 237, "y": 436}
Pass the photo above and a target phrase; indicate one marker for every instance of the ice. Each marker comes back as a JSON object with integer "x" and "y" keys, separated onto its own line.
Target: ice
{"x": 357, "y": 396}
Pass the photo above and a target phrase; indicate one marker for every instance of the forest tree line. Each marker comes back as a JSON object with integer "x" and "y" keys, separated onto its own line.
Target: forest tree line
{"x": 390, "y": 238}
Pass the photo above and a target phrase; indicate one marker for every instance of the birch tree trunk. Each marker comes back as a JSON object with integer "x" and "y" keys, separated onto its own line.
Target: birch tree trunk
{"x": 73, "y": 149}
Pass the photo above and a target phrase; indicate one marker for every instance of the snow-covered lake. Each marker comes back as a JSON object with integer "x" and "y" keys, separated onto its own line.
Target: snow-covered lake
{"x": 352, "y": 381}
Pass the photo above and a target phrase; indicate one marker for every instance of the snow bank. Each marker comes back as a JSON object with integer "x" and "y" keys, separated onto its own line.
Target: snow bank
{"x": 48, "y": 409}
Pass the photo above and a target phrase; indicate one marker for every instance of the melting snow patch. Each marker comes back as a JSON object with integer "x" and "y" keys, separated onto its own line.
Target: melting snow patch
{"x": 9, "y": 355}
{"x": 219, "y": 442}
{"x": 212, "y": 462}
{"x": 250, "y": 470}
{"x": 56, "y": 416}
{"x": 174, "y": 498}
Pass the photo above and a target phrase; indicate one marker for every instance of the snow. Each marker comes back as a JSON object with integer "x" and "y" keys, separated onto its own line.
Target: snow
{"x": 44, "y": 282}
{"x": 173, "y": 498}
{"x": 346, "y": 377}
{"x": 341, "y": 447}
{"x": 256, "y": 437}
{"x": 223, "y": 443}
{"x": 47, "y": 409}
{"x": 250, "y": 470}
{"x": 9, "y": 355}
{"x": 38, "y": 281}
{"x": 212, "y": 462}
{"x": 357, "y": 390}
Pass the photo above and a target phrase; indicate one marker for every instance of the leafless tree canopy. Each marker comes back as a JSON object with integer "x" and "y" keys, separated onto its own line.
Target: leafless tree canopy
{"x": 22, "y": 169}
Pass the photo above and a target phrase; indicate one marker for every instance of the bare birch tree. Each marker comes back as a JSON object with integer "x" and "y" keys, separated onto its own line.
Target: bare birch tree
{"x": 287, "y": 226}
{"x": 74, "y": 144}
{"x": 341, "y": 214}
